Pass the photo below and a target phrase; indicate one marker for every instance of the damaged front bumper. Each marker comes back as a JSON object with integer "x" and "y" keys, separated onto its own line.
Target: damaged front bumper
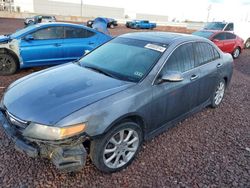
{"x": 67, "y": 155}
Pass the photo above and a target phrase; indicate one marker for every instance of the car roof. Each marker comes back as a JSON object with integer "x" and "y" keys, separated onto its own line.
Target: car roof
{"x": 161, "y": 37}
{"x": 58, "y": 24}
{"x": 214, "y": 31}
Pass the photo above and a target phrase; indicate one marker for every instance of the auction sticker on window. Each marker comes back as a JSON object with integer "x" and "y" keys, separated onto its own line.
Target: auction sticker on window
{"x": 155, "y": 47}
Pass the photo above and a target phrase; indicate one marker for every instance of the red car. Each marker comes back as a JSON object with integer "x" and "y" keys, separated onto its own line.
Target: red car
{"x": 226, "y": 41}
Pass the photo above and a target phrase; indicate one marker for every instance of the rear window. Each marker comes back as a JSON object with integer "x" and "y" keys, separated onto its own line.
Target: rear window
{"x": 73, "y": 32}
{"x": 205, "y": 53}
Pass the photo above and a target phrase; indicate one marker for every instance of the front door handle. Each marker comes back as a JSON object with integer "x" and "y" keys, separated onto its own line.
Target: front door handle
{"x": 219, "y": 65}
{"x": 194, "y": 77}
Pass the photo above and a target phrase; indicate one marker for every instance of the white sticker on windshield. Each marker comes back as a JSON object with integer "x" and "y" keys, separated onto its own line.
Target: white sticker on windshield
{"x": 155, "y": 47}
{"x": 140, "y": 74}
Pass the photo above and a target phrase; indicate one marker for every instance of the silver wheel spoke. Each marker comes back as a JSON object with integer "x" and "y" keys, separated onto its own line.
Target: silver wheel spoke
{"x": 131, "y": 149}
{"x": 121, "y": 133}
{"x": 128, "y": 136}
{"x": 125, "y": 157}
{"x": 111, "y": 158}
{"x": 109, "y": 150}
{"x": 113, "y": 141}
{"x": 117, "y": 160}
{"x": 132, "y": 141}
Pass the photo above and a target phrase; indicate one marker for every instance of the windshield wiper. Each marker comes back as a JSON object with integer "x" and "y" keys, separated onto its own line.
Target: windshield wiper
{"x": 100, "y": 71}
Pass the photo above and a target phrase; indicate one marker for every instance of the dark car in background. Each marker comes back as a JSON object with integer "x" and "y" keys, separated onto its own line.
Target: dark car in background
{"x": 140, "y": 24}
{"x": 115, "y": 97}
{"x": 47, "y": 44}
{"x": 43, "y": 18}
{"x": 228, "y": 42}
{"x": 111, "y": 23}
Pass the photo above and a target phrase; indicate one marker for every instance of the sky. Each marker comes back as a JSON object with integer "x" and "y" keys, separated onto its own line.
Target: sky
{"x": 196, "y": 10}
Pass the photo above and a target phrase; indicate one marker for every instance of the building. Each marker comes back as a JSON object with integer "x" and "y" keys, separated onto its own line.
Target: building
{"x": 75, "y": 9}
{"x": 7, "y": 5}
{"x": 152, "y": 17}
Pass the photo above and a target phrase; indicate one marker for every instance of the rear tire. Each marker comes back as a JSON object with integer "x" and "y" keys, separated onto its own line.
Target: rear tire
{"x": 218, "y": 93}
{"x": 236, "y": 53}
{"x": 116, "y": 149}
{"x": 8, "y": 64}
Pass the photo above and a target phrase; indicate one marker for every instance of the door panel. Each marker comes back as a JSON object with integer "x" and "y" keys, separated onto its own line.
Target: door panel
{"x": 43, "y": 48}
{"x": 41, "y": 52}
{"x": 174, "y": 99}
{"x": 77, "y": 41}
{"x": 207, "y": 58}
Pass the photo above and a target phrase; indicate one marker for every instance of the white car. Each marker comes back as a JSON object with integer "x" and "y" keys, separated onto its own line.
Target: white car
{"x": 44, "y": 19}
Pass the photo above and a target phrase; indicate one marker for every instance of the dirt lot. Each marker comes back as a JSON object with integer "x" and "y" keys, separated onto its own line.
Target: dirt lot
{"x": 209, "y": 149}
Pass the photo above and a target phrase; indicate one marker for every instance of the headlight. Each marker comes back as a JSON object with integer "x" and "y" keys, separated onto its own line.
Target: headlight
{"x": 45, "y": 132}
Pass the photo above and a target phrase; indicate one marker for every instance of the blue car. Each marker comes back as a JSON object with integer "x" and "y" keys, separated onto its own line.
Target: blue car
{"x": 140, "y": 24}
{"x": 47, "y": 44}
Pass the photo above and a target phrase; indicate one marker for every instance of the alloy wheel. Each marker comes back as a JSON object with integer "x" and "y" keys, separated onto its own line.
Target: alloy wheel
{"x": 236, "y": 53}
{"x": 219, "y": 93}
{"x": 121, "y": 148}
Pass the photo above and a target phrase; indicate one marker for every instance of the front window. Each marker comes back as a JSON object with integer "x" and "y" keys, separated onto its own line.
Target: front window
{"x": 124, "y": 59}
{"x": 49, "y": 33}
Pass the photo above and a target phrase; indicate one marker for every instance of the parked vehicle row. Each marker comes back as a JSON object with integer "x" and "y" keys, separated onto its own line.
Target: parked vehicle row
{"x": 47, "y": 44}
{"x": 117, "y": 96}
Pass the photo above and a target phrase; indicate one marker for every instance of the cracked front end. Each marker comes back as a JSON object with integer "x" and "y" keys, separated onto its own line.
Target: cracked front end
{"x": 67, "y": 153}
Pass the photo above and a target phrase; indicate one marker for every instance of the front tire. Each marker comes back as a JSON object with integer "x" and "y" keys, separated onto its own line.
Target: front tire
{"x": 8, "y": 64}
{"x": 218, "y": 94}
{"x": 117, "y": 148}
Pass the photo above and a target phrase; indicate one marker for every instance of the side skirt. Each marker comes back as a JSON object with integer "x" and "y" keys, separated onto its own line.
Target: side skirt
{"x": 172, "y": 123}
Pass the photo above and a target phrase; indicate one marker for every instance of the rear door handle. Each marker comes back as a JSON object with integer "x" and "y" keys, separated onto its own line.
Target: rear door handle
{"x": 194, "y": 77}
{"x": 90, "y": 43}
{"x": 219, "y": 65}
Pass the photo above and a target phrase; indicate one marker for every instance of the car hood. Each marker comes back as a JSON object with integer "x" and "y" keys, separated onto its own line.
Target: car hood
{"x": 51, "y": 95}
{"x": 4, "y": 38}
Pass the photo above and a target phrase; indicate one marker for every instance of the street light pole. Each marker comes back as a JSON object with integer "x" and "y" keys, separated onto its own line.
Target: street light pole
{"x": 81, "y": 7}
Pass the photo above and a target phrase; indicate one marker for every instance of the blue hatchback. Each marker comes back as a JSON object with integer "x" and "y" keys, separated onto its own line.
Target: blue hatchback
{"x": 47, "y": 44}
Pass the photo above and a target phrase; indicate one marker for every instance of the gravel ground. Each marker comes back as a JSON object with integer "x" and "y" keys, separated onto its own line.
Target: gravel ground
{"x": 209, "y": 149}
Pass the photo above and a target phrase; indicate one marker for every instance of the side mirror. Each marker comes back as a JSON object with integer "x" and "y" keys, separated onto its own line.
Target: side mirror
{"x": 172, "y": 76}
{"x": 216, "y": 40}
{"x": 28, "y": 37}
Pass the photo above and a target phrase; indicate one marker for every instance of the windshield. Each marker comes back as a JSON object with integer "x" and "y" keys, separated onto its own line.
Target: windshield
{"x": 215, "y": 26}
{"x": 124, "y": 59}
{"x": 206, "y": 34}
{"x": 20, "y": 32}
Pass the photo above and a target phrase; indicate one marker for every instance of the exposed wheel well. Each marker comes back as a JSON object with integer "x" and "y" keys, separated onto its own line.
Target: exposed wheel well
{"x": 5, "y": 50}
{"x": 134, "y": 118}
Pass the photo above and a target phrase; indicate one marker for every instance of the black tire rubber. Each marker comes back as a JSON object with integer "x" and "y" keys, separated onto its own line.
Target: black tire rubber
{"x": 213, "y": 105}
{"x": 97, "y": 146}
{"x": 12, "y": 64}
{"x": 237, "y": 48}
